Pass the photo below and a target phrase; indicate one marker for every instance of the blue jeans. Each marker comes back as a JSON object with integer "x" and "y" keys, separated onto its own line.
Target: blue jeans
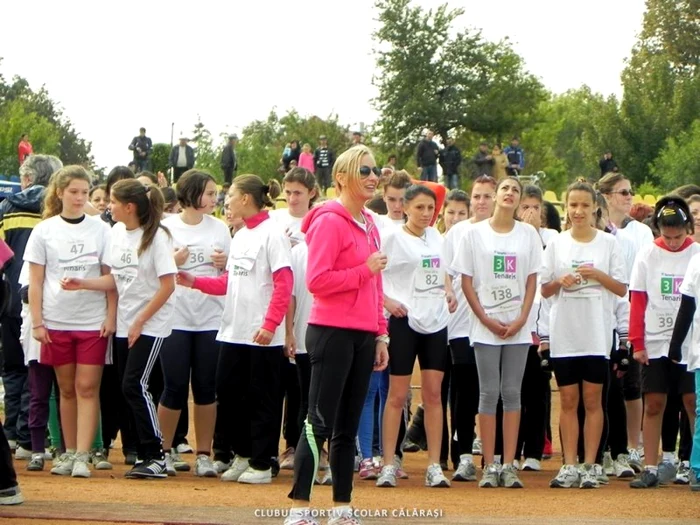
{"x": 378, "y": 385}
{"x": 429, "y": 173}
{"x": 695, "y": 455}
{"x": 452, "y": 181}
{"x": 17, "y": 397}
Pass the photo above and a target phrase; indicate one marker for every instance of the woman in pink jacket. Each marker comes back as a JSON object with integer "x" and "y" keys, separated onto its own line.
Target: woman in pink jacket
{"x": 347, "y": 333}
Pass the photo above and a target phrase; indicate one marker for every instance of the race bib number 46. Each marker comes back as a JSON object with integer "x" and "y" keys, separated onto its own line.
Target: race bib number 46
{"x": 125, "y": 265}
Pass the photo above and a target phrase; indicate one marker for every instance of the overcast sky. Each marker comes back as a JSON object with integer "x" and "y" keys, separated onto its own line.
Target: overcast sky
{"x": 115, "y": 66}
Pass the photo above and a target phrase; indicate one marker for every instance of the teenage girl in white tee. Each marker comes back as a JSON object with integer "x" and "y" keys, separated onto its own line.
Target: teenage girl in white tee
{"x": 202, "y": 243}
{"x": 419, "y": 304}
{"x": 583, "y": 272}
{"x": 499, "y": 260}
{"x": 465, "y": 377}
{"x": 655, "y": 286}
{"x": 72, "y": 328}
{"x": 257, "y": 286}
{"x": 300, "y": 191}
{"x": 143, "y": 273}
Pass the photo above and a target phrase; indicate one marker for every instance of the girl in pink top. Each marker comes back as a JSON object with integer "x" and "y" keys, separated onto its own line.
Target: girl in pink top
{"x": 347, "y": 333}
{"x": 306, "y": 159}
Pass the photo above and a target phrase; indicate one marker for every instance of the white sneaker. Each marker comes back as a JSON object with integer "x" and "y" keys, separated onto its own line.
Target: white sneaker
{"x": 12, "y": 443}
{"x": 64, "y": 465}
{"x": 179, "y": 464}
{"x": 466, "y": 470}
{"x": 476, "y": 447}
{"x": 80, "y": 466}
{"x": 293, "y": 519}
{"x": 622, "y": 467}
{"x": 435, "y": 478}
{"x": 683, "y": 474}
{"x": 532, "y": 464}
{"x": 203, "y": 467}
{"x": 588, "y": 477}
{"x": 239, "y": 466}
{"x": 516, "y": 464}
{"x": 22, "y": 453}
{"x": 568, "y": 477}
{"x": 608, "y": 465}
{"x": 635, "y": 460}
{"x": 345, "y": 518}
{"x": 600, "y": 475}
{"x": 184, "y": 448}
{"x": 169, "y": 466}
{"x": 221, "y": 467}
{"x": 252, "y": 476}
{"x": 387, "y": 477}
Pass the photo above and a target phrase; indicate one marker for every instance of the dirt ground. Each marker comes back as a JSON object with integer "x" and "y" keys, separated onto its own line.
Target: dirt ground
{"x": 108, "y": 498}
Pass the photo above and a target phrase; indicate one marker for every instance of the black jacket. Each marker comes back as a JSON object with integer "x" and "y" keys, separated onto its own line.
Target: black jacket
{"x": 189, "y": 153}
{"x": 294, "y": 155}
{"x": 324, "y": 158}
{"x": 229, "y": 160}
{"x": 144, "y": 144}
{"x": 427, "y": 154}
{"x": 607, "y": 166}
{"x": 451, "y": 159}
{"x": 19, "y": 213}
{"x": 484, "y": 166}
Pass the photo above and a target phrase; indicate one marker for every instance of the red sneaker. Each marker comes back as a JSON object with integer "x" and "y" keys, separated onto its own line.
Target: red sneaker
{"x": 547, "y": 451}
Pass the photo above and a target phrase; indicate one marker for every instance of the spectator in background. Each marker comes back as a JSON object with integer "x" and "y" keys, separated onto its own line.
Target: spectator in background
{"x": 391, "y": 162}
{"x": 607, "y": 164}
{"x": 427, "y": 157}
{"x": 293, "y": 155}
{"x": 181, "y": 158}
{"x": 516, "y": 157}
{"x": 24, "y": 148}
{"x": 323, "y": 160}
{"x": 450, "y": 160}
{"x": 356, "y": 139}
{"x": 500, "y": 163}
{"x": 229, "y": 159}
{"x": 483, "y": 161}
{"x": 19, "y": 213}
{"x": 142, "y": 146}
{"x": 306, "y": 158}
{"x": 687, "y": 191}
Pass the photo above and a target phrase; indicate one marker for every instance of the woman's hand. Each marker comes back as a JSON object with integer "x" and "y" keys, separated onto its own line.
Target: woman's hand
{"x": 641, "y": 357}
{"x": 219, "y": 259}
{"x": 134, "y": 332}
{"x": 109, "y": 328}
{"x": 290, "y": 345}
{"x": 496, "y": 327}
{"x": 513, "y": 328}
{"x": 381, "y": 356}
{"x": 376, "y": 262}
{"x": 567, "y": 281}
{"x": 71, "y": 283}
{"x": 395, "y": 308}
{"x": 41, "y": 334}
{"x": 451, "y": 302}
{"x": 263, "y": 337}
{"x": 181, "y": 255}
{"x": 185, "y": 279}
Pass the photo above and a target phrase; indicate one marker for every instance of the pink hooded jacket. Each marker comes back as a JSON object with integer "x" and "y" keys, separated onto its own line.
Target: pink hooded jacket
{"x": 346, "y": 293}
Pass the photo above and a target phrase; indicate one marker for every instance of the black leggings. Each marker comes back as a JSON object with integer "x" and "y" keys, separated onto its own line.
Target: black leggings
{"x": 341, "y": 366}
{"x": 246, "y": 378}
{"x": 290, "y": 392}
{"x": 675, "y": 418}
{"x": 465, "y": 383}
{"x": 534, "y": 408}
{"x": 135, "y": 365}
{"x": 304, "y": 375}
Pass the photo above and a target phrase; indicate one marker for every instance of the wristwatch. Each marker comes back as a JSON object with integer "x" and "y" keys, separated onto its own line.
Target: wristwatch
{"x": 382, "y": 339}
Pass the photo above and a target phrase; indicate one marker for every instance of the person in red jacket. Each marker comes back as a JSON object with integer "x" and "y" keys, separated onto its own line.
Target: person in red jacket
{"x": 347, "y": 333}
{"x": 24, "y": 148}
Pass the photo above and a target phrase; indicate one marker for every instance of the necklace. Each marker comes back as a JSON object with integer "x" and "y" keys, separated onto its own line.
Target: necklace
{"x": 421, "y": 237}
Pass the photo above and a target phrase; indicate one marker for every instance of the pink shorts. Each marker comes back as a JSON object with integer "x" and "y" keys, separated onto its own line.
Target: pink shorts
{"x": 68, "y": 347}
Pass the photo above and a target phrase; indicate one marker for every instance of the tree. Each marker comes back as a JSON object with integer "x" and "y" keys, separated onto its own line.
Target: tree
{"x": 661, "y": 82}
{"x": 23, "y": 110}
{"x": 430, "y": 76}
{"x": 160, "y": 157}
{"x": 678, "y": 162}
{"x": 207, "y": 154}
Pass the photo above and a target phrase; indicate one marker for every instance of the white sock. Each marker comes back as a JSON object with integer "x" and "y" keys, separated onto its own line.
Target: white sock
{"x": 466, "y": 457}
{"x": 668, "y": 457}
{"x": 497, "y": 459}
{"x": 654, "y": 469}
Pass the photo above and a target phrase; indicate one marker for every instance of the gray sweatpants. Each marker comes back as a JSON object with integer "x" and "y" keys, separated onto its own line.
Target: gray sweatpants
{"x": 501, "y": 369}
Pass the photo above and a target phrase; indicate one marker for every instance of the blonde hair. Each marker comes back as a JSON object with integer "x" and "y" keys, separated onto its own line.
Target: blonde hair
{"x": 60, "y": 181}
{"x": 306, "y": 147}
{"x": 349, "y": 163}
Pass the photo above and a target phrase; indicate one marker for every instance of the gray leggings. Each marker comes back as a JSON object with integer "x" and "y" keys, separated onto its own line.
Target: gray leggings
{"x": 501, "y": 370}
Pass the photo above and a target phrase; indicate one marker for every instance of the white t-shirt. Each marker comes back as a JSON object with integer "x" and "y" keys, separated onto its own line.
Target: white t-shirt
{"x": 691, "y": 288}
{"x": 659, "y": 273}
{"x": 582, "y": 317}
{"x": 301, "y": 294}
{"x": 196, "y": 311}
{"x": 70, "y": 250}
{"x": 137, "y": 277}
{"x": 415, "y": 276}
{"x": 291, "y": 225}
{"x": 547, "y": 234}
{"x": 632, "y": 238}
{"x": 255, "y": 255}
{"x": 499, "y": 264}
{"x": 460, "y": 320}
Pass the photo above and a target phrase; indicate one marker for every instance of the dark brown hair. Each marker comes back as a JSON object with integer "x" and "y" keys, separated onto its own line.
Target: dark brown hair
{"x": 191, "y": 186}
{"x": 264, "y": 195}
{"x": 305, "y": 178}
{"x": 149, "y": 207}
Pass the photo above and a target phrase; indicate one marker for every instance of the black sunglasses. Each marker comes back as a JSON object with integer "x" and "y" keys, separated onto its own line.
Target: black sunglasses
{"x": 366, "y": 170}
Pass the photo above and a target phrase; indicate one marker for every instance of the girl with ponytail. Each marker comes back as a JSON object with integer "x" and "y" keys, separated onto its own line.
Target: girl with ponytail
{"x": 257, "y": 290}
{"x": 142, "y": 272}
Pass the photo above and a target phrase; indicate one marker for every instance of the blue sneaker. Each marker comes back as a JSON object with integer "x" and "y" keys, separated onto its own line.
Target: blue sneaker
{"x": 694, "y": 480}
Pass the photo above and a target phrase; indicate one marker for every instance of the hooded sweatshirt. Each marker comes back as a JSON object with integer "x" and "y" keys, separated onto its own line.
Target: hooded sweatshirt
{"x": 346, "y": 293}
{"x": 19, "y": 213}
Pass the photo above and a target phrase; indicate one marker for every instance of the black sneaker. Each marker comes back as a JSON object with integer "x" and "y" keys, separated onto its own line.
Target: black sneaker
{"x": 410, "y": 446}
{"x": 275, "y": 467}
{"x": 130, "y": 458}
{"x": 646, "y": 480}
{"x": 152, "y": 468}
